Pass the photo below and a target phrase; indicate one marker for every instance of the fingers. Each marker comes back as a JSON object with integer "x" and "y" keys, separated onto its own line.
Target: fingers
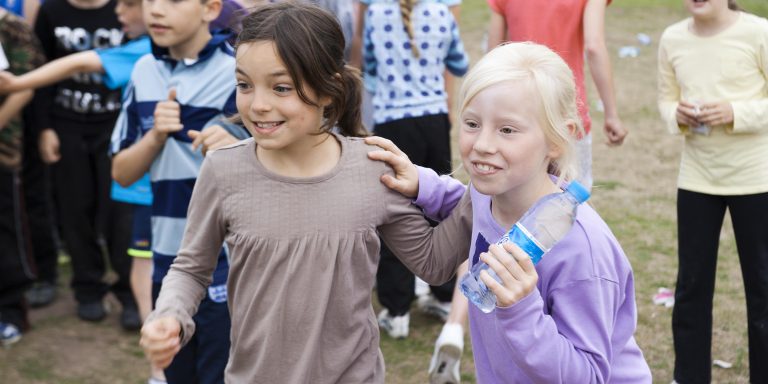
{"x": 168, "y": 114}
{"x": 160, "y": 340}
{"x": 197, "y": 138}
{"x": 211, "y": 138}
{"x": 384, "y": 144}
{"x": 392, "y": 159}
{"x": 515, "y": 270}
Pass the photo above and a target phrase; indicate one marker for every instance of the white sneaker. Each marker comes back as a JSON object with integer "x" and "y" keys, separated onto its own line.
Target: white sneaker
{"x": 396, "y": 327}
{"x": 430, "y": 305}
{"x": 444, "y": 367}
{"x": 421, "y": 287}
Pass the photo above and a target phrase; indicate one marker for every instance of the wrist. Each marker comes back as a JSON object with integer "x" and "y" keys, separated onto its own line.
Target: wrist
{"x": 158, "y": 137}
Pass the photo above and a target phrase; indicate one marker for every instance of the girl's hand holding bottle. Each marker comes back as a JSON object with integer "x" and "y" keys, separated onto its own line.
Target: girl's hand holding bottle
{"x": 515, "y": 269}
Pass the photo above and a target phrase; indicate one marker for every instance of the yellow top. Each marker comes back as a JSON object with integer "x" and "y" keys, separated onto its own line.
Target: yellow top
{"x": 731, "y": 65}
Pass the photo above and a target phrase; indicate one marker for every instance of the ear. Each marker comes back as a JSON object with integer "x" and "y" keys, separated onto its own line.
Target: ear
{"x": 211, "y": 10}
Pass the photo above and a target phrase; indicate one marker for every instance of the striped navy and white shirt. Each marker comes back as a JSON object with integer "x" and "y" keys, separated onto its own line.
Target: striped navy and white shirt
{"x": 205, "y": 90}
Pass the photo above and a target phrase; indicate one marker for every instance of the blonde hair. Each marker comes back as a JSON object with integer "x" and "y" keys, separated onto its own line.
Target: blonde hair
{"x": 551, "y": 78}
{"x": 406, "y": 7}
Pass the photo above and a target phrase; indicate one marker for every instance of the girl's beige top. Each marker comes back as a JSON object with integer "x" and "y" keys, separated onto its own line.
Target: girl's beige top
{"x": 304, "y": 254}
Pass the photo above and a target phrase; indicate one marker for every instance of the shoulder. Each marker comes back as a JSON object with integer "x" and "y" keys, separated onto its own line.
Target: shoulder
{"x": 676, "y": 30}
{"x": 145, "y": 62}
{"x": 589, "y": 251}
{"x": 754, "y": 23}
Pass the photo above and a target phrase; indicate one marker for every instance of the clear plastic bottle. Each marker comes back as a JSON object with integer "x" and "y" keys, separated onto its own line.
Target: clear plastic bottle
{"x": 540, "y": 228}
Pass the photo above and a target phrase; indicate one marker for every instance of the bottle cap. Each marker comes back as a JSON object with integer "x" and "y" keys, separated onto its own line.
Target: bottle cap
{"x": 578, "y": 191}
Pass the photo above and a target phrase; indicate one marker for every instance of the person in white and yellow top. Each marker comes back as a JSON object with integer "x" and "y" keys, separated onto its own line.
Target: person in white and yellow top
{"x": 713, "y": 88}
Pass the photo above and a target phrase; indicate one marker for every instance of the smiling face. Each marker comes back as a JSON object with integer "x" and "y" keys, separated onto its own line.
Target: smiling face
{"x": 502, "y": 144}
{"x": 268, "y": 102}
{"x": 129, "y": 14}
{"x": 706, "y": 9}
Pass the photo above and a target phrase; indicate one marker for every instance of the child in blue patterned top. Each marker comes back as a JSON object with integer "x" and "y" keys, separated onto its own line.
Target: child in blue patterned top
{"x": 408, "y": 45}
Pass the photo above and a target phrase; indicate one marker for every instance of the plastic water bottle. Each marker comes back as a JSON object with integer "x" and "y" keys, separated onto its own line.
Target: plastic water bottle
{"x": 540, "y": 228}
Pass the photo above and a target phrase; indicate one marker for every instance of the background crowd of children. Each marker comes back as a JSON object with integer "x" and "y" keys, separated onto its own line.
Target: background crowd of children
{"x": 111, "y": 159}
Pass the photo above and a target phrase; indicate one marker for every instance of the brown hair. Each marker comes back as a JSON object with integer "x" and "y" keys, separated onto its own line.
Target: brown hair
{"x": 406, "y": 7}
{"x": 733, "y": 6}
{"x": 311, "y": 45}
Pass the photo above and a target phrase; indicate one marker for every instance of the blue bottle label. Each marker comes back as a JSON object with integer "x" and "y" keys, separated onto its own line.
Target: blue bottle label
{"x": 520, "y": 236}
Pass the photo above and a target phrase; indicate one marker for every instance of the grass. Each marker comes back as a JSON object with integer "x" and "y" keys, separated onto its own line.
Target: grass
{"x": 634, "y": 192}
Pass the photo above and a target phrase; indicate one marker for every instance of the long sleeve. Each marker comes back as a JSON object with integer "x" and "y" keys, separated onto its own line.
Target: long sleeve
{"x": 752, "y": 115}
{"x": 456, "y": 61}
{"x": 438, "y": 195}
{"x": 433, "y": 254}
{"x": 572, "y": 345}
{"x": 668, "y": 92}
{"x": 570, "y": 336}
{"x": 186, "y": 282}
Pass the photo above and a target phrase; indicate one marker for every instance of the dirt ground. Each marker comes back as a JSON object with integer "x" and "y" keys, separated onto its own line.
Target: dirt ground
{"x": 634, "y": 191}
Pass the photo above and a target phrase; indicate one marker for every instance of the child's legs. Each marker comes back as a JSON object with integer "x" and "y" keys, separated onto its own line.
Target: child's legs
{"x": 119, "y": 237}
{"x": 76, "y": 192}
{"x": 213, "y": 329}
{"x": 37, "y": 198}
{"x": 435, "y": 133}
{"x": 584, "y": 160}
{"x": 394, "y": 282}
{"x": 750, "y": 225}
{"x": 699, "y": 219}
{"x": 141, "y": 254}
{"x": 16, "y": 267}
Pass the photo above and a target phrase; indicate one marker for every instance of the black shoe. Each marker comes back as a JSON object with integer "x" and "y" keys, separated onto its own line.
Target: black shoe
{"x": 130, "y": 319}
{"x": 93, "y": 311}
{"x": 41, "y": 294}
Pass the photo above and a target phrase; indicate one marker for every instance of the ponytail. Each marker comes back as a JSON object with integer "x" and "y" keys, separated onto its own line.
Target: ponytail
{"x": 406, "y": 6}
{"x": 344, "y": 109}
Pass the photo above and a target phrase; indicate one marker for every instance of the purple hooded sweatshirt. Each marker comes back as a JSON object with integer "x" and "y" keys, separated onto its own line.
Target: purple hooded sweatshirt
{"x": 577, "y": 326}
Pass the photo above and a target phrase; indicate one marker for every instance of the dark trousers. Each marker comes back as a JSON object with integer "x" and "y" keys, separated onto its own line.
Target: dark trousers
{"x": 203, "y": 359}
{"x": 700, "y": 218}
{"x": 82, "y": 180}
{"x": 16, "y": 264}
{"x": 426, "y": 140}
{"x": 39, "y": 205}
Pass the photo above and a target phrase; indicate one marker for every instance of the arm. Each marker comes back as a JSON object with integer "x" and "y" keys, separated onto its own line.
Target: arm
{"x": 600, "y": 68}
{"x": 13, "y": 105}
{"x": 433, "y": 254}
{"x": 133, "y": 162}
{"x": 30, "y": 11}
{"x": 185, "y": 284}
{"x": 746, "y": 115}
{"x": 573, "y": 340}
{"x": 456, "y": 60}
{"x": 497, "y": 30}
{"x": 51, "y": 73}
{"x": 676, "y": 114}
